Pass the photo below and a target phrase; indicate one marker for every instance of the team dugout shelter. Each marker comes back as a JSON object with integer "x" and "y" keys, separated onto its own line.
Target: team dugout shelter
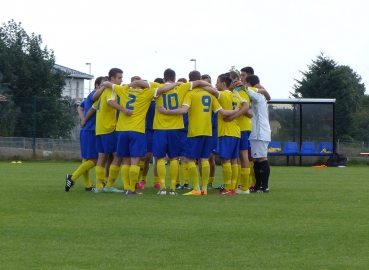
{"x": 303, "y": 131}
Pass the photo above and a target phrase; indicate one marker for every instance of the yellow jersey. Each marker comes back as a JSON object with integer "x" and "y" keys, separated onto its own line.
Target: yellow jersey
{"x": 106, "y": 119}
{"x": 170, "y": 100}
{"x": 201, "y": 105}
{"x": 244, "y": 122}
{"x": 229, "y": 101}
{"x": 136, "y": 100}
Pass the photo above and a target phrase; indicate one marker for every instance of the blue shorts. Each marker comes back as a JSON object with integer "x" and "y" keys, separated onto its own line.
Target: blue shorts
{"x": 149, "y": 133}
{"x": 166, "y": 142}
{"x": 183, "y": 142}
{"x": 229, "y": 147}
{"x": 245, "y": 143}
{"x": 131, "y": 144}
{"x": 87, "y": 140}
{"x": 214, "y": 138}
{"x": 107, "y": 143}
{"x": 199, "y": 147}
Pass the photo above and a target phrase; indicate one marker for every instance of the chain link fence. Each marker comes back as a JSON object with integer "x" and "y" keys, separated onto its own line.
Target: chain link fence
{"x": 48, "y": 128}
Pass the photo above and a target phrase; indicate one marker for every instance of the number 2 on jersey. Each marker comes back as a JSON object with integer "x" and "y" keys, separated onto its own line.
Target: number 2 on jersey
{"x": 129, "y": 102}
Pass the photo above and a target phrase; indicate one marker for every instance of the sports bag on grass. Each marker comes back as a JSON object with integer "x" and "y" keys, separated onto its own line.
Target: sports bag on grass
{"x": 336, "y": 160}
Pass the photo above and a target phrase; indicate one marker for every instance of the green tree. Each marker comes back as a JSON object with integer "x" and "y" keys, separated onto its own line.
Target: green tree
{"x": 8, "y": 112}
{"x": 326, "y": 79}
{"x": 28, "y": 70}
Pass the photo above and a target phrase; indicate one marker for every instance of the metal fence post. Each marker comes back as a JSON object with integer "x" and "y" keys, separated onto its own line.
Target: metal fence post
{"x": 34, "y": 125}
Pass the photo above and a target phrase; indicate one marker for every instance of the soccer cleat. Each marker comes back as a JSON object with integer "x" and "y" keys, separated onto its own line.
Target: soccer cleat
{"x": 204, "y": 192}
{"x": 142, "y": 184}
{"x": 68, "y": 182}
{"x": 112, "y": 190}
{"x": 97, "y": 190}
{"x": 178, "y": 186}
{"x": 232, "y": 192}
{"x": 157, "y": 185}
{"x": 221, "y": 187}
{"x": 223, "y": 192}
{"x": 210, "y": 186}
{"x": 172, "y": 192}
{"x": 265, "y": 190}
{"x": 254, "y": 190}
{"x": 162, "y": 192}
{"x": 240, "y": 191}
{"x": 89, "y": 188}
{"x": 129, "y": 192}
{"x": 185, "y": 186}
{"x": 137, "y": 186}
{"x": 193, "y": 193}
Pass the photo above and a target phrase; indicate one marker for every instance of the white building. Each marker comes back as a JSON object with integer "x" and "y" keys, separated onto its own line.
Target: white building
{"x": 74, "y": 83}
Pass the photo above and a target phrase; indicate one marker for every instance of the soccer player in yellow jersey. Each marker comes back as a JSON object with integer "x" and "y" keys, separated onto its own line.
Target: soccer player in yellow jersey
{"x": 244, "y": 121}
{"x": 199, "y": 104}
{"x": 228, "y": 132}
{"x": 87, "y": 141}
{"x": 106, "y": 141}
{"x": 167, "y": 129}
{"x": 131, "y": 144}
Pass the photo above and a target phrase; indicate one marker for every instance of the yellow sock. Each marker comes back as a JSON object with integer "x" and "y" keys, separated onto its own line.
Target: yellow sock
{"x": 239, "y": 181}
{"x": 234, "y": 175}
{"x": 177, "y": 179}
{"x": 227, "y": 175}
{"x": 143, "y": 178}
{"x": 113, "y": 173}
{"x": 245, "y": 175}
{"x": 142, "y": 165}
{"x": 211, "y": 179}
{"x": 173, "y": 172}
{"x": 184, "y": 171}
{"x": 125, "y": 176}
{"x": 100, "y": 171}
{"x": 194, "y": 175}
{"x": 252, "y": 179}
{"x": 84, "y": 167}
{"x": 156, "y": 180}
{"x": 205, "y": 174}
{"x": 134, "y": 171}
{"x": 106, "y": 180}
{"x": 161, "y": 172}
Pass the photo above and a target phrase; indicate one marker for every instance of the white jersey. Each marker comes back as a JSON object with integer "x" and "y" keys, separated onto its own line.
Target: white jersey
{"x": 260, "y": 119}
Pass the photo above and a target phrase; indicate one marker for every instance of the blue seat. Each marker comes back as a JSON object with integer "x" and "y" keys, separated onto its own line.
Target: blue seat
{"x": 307, "y": 149}
{"x": 290, "y": 149}
{"x": 274, "y": 146}
{"x": 325, "y": 149}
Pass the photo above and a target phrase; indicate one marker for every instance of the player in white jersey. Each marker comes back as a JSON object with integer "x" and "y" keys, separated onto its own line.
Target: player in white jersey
{"x": 260, "y": 135}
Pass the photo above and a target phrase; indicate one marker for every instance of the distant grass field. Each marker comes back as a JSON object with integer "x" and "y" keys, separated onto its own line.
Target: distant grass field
{"x": 311, "y": 219}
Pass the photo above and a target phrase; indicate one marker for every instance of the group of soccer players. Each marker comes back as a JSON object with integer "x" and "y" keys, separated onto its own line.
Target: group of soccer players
{"x": 123, "y": 126}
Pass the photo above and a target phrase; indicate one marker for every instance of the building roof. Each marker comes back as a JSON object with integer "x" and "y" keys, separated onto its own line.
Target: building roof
{"x": 72, "y": 73}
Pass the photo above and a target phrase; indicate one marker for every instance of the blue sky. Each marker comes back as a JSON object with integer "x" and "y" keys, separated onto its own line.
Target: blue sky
{"x": 277, "y": 38}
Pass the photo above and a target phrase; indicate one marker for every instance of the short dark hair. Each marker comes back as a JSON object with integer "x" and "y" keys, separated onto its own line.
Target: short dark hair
{"x": 184, "y": 80}
{"x": 99, "y": 79}
{"x": 113, "y": 72}
{"x": 159, "y": 80}
{"x": 224, "y": 78}
{"x": 194, "y": 75}
{"x": 136, "y": 78}
{"x": 205, "y": 76}
{"x": 248, "y": 70}
{"x": 234, "y": 75}
{"x": 169, "y": 75}
{"x": 252, "y": 79}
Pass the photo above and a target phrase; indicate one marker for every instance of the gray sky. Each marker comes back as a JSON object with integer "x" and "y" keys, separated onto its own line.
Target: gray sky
{"x": 277, "y": 38}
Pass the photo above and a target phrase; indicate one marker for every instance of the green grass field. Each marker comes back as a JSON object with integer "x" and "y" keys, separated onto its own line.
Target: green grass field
{"x": 311, "y": 219}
